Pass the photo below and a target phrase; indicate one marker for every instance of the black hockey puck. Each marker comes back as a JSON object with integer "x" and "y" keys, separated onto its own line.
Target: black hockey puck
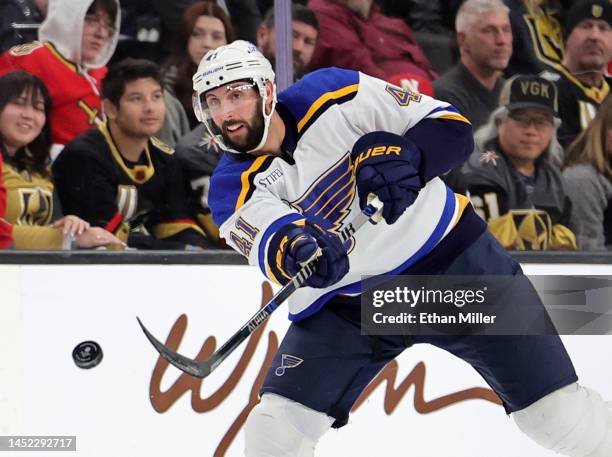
{"x": 87, "y": 354}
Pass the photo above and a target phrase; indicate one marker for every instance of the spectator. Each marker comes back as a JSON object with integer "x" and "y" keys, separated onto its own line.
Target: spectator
{"x": 198, "y": 159}
{"x": 204, "y": 26}
{"x": 6, "y": 230}
{"x": 354, "y": 34}
{"x": 588, "y": 174}
{"x": 433, "y": 23}
{"x": 245, "y": 15}
{"x": 537, "y": 38}
{"x": 77, "y": 39}
{"x": 19, "y": 21}
{"x": 119, "y": 176}
{"x": 305, "y": 32}
{"x": 432, "y": 16}
{"x": 581, "y": 80}
{"x": 484, "y": 37}
{"x": 512, "y": 183}
{"x": 25, "y": 105}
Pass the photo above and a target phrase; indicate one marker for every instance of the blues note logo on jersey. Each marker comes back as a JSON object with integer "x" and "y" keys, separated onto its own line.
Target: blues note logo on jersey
{"x": 328, "y": 200}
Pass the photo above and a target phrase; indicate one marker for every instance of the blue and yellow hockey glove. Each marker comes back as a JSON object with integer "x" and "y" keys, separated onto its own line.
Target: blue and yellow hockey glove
{"x": 292, "y": 246}
{"x": 387, "y": 165}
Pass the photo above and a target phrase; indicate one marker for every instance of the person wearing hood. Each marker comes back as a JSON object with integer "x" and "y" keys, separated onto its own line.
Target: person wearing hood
{"x": 75, "y": 42}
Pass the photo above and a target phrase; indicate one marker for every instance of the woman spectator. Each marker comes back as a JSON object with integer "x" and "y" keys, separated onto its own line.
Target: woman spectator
{"x": 588, "y": 175}
{"x": 25, "y": 140}
{"x": 204, "y": 26}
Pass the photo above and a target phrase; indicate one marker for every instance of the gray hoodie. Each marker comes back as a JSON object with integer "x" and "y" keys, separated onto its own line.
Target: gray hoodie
{"x": 63, "y": 27}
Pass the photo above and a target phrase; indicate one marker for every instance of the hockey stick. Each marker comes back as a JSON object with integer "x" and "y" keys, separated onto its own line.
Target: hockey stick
{"x": 202, "y": 369}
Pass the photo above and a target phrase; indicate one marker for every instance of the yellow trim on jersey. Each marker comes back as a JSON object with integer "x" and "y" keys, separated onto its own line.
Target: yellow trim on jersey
{"x": 462, "y": 202}
{"x": 324, "y": 99}
{"x": 597, "y": 94}
{"x": 145, "y": 171}
{"x": 244, "y": 179}
{"x": 272, "y": 277}
{"x": 60, "y": 57}
{"x": 168, "y": 229}
{"x": 455, "y": 117}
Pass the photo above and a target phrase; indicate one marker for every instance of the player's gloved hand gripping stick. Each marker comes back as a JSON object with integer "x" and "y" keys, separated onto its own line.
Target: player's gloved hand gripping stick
{"x": 371, "y": 212}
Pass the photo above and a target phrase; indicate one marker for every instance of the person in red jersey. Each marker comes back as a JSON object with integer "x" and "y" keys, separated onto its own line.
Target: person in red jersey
{"x": 76, "y": 41}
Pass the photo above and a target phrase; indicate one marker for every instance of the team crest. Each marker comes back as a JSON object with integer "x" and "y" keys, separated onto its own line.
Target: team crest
{"x": 329, "y": 198}
{"x": 287, "y": 361}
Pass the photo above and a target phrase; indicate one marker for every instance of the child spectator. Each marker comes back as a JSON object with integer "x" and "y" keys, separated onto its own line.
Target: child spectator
{"x": 119, "y": 176}
{"x": 25, "y": 106}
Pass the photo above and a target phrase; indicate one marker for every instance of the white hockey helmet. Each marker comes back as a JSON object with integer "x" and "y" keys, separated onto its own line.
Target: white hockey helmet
{"x": 239, "y": 60}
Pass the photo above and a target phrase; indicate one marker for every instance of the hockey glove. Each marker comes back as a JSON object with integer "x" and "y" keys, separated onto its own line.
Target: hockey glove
{"x": 388, "y": 166}
{"x": 292, "y": 246}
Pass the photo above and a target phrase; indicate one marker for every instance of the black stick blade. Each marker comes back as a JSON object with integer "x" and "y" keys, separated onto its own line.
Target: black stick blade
{"x": 185, "y": 364}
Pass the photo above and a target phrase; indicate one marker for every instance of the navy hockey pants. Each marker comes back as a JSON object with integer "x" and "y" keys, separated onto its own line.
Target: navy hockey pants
{"x": 337, "y": 361}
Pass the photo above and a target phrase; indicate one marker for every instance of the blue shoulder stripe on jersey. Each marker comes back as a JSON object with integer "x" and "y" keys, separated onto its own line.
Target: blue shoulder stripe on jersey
{"x": 226, "y": 186}
{"x": 272, "y": 228}
{"x": 450, "y": 108}
{"x": 450, "y": 113}
{"x": 355, "y": 288}
{"x": 312, "y": 95}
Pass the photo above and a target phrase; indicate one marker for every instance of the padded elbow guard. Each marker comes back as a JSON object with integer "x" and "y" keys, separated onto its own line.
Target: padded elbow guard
{"x": 573, "y": 421}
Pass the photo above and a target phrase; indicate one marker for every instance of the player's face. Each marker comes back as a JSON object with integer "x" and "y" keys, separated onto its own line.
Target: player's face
{"x": 98, "y": 29}
{"x": 208, "y": 33}
{"x": 589, "y": 46}
{"x": 141, "y": 108}
{"x": 526, "y": 133}
{"x": 304, "y": 41}
{"x": 236, "y": 109}
{"x": 22, "y": 120}
{"x": 488, "y": 42}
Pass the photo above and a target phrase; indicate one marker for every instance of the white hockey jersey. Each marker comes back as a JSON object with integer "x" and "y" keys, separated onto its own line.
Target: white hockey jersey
{"x": 325, "y": 113}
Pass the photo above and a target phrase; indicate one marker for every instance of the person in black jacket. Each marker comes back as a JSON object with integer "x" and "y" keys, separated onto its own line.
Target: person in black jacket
{"x": 120, "y": 177}
{"x": 512, "y": 180}
{"x": 19, "y": 21}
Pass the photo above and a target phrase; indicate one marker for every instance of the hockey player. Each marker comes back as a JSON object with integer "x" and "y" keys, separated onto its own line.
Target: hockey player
{"x": 292, "y": 173}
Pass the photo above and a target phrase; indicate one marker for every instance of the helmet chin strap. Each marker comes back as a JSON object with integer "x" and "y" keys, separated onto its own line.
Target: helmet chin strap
{"x": 267, "y": 118}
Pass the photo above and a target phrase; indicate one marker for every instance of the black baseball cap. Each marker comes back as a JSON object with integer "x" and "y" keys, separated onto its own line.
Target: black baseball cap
{"x": 529, "y": 91}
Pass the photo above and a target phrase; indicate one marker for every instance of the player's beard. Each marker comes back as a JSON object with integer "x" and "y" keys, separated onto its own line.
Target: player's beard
{"x": 254, "y": 130}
